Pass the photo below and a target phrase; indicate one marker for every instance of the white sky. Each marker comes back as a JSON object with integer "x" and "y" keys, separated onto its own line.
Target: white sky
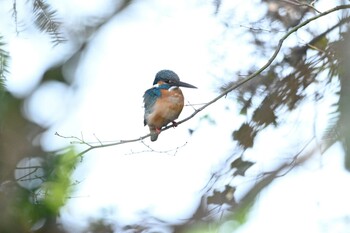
{"x": 118, "y": 66}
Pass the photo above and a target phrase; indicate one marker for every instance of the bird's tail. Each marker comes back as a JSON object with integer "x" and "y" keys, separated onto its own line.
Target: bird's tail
{"x": 154, "y": 133}
{"x": 154, "y": 136}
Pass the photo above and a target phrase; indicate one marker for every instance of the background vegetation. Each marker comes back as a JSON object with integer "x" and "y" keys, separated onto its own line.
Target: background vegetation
{"x": 31, "y": 195}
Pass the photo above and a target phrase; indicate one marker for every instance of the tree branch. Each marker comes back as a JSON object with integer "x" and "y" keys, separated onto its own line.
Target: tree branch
{"x": 227, "y": 90}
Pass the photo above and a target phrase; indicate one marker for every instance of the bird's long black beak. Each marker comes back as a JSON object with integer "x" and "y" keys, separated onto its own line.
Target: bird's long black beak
{"x": 183, "y": 84}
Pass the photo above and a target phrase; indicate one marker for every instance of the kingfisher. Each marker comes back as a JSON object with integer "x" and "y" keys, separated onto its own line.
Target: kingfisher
{"x": 163, "y": 102}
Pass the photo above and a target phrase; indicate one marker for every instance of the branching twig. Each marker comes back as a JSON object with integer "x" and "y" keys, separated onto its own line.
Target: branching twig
{"x": 268, "y": 63}
{"x": 229, "y": 89}
{"x": 80, "y": 141}
{"x": 150, "y": 149}
{"x": 28, "y": 174}
{"x": 253, "y": 29}
{"x": 299, "y": 3}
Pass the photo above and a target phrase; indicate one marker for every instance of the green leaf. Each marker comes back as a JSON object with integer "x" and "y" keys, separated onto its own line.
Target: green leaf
{"x": 59, "y": 185}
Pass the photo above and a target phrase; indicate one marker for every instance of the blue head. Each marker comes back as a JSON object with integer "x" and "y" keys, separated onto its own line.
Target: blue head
{"x": 170, "y": 78}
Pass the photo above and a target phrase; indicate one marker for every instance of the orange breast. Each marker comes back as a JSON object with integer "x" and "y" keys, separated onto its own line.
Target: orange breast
{"x": 167, "y": 108}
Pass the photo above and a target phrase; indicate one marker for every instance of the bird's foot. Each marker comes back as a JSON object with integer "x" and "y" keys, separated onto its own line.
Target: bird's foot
{"x": 174, "y": 124}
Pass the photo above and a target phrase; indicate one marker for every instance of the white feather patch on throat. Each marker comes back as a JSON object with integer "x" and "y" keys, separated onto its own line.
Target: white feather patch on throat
{"x": 173, "y": 88}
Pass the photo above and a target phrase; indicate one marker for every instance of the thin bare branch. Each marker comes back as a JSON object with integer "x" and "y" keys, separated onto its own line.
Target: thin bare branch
{"x": 21, "y": 178}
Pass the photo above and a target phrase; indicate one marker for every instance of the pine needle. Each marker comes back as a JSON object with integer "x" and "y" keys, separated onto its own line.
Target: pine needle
{"x": 46, "y": 20}
{"x": 3, "y": 64}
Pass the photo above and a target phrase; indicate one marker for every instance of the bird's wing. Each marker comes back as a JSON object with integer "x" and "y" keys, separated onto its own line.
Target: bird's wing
{"x": 149, "y": 99}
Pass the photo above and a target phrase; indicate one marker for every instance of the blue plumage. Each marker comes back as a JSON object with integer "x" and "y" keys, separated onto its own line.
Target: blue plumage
{"x": 150, "y": 97}
{"x": 166, "y": 75}
{"x": 163, "y": 102}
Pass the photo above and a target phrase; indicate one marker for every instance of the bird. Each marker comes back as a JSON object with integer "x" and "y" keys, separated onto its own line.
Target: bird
{"x": 163, "y": 102}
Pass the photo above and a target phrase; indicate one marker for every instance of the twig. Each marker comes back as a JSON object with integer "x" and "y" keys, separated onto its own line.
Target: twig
{"x": 299, "y": 3}
{"x": 98, "y": 139}
{"x": 28, "y": 174}
{"x": 258, "y": 29}
{"x": 150, "y": 149}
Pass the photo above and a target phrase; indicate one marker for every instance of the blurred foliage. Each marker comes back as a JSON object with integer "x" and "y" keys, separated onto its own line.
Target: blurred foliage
{"x": 58, "y": 185}
{"x": 100, "y": 226}
{"x": 287, "y": 13}
{"x": 31, "y": 195}
{"x": 35, "y": 184}
{"x": 339, "y": 130}
{"x": 26, "y": 209}
{"x": 276, "y": 91}
{"x": 16, "y": 135}
{"x": 280, "y": 89}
